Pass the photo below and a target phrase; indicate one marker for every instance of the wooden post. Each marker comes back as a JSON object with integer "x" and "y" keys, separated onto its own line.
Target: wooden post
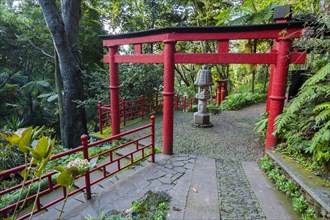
{"x": 84, "y": 142}
{"x": 168, "y": 95}
{"x": 99, "y": 105}
{"x": 277, "y": 97}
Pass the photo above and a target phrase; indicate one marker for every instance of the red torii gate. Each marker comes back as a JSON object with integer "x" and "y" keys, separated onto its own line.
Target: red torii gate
{"x": 279, "y": 57}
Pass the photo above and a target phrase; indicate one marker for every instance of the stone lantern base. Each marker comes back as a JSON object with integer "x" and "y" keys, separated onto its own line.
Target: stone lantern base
{"x": 202, "y": 120}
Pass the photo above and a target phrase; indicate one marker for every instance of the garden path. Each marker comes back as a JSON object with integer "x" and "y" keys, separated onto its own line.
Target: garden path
{"x": 213, "y": 174}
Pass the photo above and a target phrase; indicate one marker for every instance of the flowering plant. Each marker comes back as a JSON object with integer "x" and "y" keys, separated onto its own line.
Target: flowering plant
{"x": 68, "y": 174}
{"x": 82, "y": 164}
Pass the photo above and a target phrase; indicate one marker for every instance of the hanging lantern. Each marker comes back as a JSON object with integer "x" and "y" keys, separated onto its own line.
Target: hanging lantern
{"x": 204, "y": 82}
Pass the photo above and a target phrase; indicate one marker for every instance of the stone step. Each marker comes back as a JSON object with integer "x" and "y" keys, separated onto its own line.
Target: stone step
{"x": 202, "y": 200}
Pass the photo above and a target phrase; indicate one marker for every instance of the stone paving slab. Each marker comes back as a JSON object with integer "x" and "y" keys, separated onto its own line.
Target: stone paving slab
{"x": 202, "y": 201}
{"x": 149, "y": 176}
{"x": 128, "y": 149}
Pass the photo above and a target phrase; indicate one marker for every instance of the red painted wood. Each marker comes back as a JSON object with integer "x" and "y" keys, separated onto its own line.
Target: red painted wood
{"x": 277, "y": 97}
{"x": 135, "y": 40}
{"x": 297, "y": 58}
{"x": 99, "y": 105}
{"x": 271, "y": 75}
{"x": 221, "y": 58}
{"x": 139, "y": 58}
{"x": 138, "y": 48}
{"x": 114, "y": 91}
{"x": 223, "y": 46}
{"x": 223, "y": 91}
{"x": 268, "y": 34}
{"x": 168, "y": 93}
{"x": 226, "y": 58}
{"x": 218, "y": 96}
{"x": 84, "y": 143}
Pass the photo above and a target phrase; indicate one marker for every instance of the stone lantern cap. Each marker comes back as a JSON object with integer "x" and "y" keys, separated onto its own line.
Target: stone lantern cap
{"x": 204, "y": 77}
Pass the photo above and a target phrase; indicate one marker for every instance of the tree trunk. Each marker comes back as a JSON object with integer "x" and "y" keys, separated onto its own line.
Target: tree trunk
{"x": 59, "y": 87}
{"x": 64, "y": 30}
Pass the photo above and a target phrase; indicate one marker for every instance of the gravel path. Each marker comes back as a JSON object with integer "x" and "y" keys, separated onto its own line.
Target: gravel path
{"x": 231, "y": 136}
{"x": 230, "y": 141}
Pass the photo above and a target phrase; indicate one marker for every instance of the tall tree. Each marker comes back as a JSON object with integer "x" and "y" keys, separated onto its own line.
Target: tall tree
{"x": 64, "y": 28}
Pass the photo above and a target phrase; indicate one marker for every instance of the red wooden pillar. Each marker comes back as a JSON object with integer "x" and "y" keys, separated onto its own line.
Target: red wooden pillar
{"x": 168, "y": 95}
{"x": 277, "y": 97}
{"x": 99, "y": 105}
{"x": 218, "y": 96}
{"x": 84, "y": 142}
{"x": 272, "y": 72}
{"x": 114, "y": 91}
{"x": 223, "y": 90}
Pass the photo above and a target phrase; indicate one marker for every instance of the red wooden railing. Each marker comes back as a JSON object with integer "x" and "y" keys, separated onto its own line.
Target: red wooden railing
{"x": 133, "y": 157}
{"x": 139, "y": 108}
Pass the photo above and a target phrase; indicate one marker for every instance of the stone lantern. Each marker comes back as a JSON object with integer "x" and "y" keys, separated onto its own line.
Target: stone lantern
{"x": 204, "y": 82}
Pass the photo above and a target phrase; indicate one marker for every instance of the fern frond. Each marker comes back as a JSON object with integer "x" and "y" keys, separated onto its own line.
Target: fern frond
{"x": 321, "y": 75}
{"x": 320, "y": 137}
{"x": 261, "y": 126}
{"x": 308, "y": 95}
{"x": 321, "y": 107}
{"x": 282, "y": 121}
{"x": 322, "y": 117}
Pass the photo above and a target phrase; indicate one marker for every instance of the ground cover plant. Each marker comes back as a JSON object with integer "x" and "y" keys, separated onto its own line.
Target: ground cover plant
{"x": 153, "y": 206}
{"x": 288, "y": 187}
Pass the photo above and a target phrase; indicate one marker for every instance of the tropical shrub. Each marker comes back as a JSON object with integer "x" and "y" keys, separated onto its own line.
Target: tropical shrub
{"x": 238, "y": 101}
{"x": 304, "y": 126}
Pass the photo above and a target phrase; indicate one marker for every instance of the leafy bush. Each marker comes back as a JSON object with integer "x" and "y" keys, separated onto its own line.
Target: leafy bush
{"x": 261, "y": 125}
{"x": 304, "y": 126}
{"x": 238, "y": 101}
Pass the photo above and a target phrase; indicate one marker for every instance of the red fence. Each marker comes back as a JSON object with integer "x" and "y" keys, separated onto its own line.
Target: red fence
{"x": 138, "y": 154}
{"x": 139, "y": 108}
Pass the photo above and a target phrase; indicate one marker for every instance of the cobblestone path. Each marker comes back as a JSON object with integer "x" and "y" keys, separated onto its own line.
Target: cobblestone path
{"x": 236, "y": 198}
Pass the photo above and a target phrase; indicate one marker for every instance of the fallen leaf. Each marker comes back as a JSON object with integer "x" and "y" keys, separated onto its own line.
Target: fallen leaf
{"x": 310, "y": 177}
{"x": 176, "y": 209}
{"x": 194, "y": 190}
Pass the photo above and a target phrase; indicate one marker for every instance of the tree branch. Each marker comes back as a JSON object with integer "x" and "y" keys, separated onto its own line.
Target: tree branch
{"x": 40, "y": 49}
{"x": 182, "y": 77}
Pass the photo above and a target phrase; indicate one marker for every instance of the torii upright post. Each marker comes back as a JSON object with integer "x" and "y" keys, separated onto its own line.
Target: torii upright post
{"x": 114, "y": 91}
{"x": 168, "y": 93}
{"x": 276, "y": 100}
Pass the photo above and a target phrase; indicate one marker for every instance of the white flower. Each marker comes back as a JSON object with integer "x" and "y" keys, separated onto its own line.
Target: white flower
{"x": 82, "y": 164}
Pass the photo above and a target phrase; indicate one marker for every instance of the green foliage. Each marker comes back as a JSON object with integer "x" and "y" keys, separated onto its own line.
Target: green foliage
{"x": 152, "y": 206}
{"x": 300, "y": 204}
{"x": 305, "y": 123}
{"x": 261, "y": 124}
{"x": 238, "y": 101}
{"x": 266, "y": 164}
